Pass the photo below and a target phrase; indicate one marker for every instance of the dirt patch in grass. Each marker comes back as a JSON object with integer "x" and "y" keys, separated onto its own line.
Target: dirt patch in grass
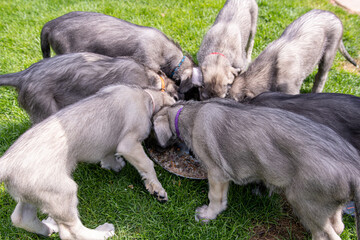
{"x": 287, "y": 227}
{"x": 351, "y": 68}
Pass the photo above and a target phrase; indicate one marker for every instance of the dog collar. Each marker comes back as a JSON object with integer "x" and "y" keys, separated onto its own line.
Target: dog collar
{"x": 178, "y": 66}
{"x": 162, "y": 84}
{"x": 177, "y": 123}
{"x": 217, "y": 53}
{"x": 152, "y": 99}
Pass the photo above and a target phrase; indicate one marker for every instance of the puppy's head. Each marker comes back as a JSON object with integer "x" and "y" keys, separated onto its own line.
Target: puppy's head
{"x": 218, "y": 78}
{"x": 194, "y": 80}
{"x": 162, "y": 127}
{"x": 168, "y": 100}
{"x": 163, "y": 83}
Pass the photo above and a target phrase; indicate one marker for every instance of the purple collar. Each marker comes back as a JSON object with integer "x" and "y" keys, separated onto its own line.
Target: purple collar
{"x": 177, "y": 123}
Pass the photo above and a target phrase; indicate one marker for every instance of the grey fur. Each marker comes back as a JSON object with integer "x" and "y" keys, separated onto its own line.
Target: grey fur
{"x": 103, "y": 34}
{"x": 54, "y": 83}
{"x": 310, "y": 40}
{"x": 340, "y": 112}
{"x": 316, "y": 169}
{"x": 232, "y": 36}
{"x": 37, "y": 168}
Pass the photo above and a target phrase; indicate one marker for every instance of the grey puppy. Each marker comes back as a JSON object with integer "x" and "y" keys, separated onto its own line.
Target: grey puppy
{"x": 103, "y": 34}
{"x": 310, "y": 40}
{"x": 51, "y": 84}
{"x": 37, "y": 168}
{"x": 316, "y": 169}
{"x": 226, "y": 48}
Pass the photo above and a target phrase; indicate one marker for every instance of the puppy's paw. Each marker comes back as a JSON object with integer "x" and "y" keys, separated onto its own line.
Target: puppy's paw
{"x": 108, "y": 228}
{"x": 157, "y": 190}
{"x": 115, "y": 164}
{"x": 204, "y": 214}
{"x": 51, "y": 224}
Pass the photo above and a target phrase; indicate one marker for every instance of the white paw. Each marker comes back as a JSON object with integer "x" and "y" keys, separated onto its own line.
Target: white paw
{"x": 157, "y": 190}
{"x": 51, "y": 224}
{"x": 108, "y": 228}
{"x": 204, "y": 214}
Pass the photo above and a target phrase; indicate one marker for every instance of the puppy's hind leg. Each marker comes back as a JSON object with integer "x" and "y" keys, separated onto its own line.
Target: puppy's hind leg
{"x": 250, "y": 43}
{"x": 61, "y": 205}
{"x": 218, "y": 199}
{"x": 324, "y": 67}
{"x": 25, "y": 217}
{"x": 42, "y": 109}
{"x": 313, "y": 214}
{"x": 336, "y": 221}
{"x": 134, "y": 153}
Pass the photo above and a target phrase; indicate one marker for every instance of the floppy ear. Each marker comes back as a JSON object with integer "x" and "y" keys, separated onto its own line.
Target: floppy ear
{"x": 185, "y": 83}
{"x": 195, "y": 80}
{"x": 162, "y": 129}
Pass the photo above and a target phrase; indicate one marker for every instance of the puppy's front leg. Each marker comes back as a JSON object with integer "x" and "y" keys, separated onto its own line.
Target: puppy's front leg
{"x": 218, "y": 200}
{"x": 134, "y": 153}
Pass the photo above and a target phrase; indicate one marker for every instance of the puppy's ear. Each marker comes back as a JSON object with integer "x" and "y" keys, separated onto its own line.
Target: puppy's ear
{"x": 185, "y": 84}
{"x": 162, "y": 128}
{"x": 194, "y": 80}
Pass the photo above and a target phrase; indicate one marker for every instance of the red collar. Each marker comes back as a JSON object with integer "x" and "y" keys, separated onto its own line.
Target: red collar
{"x": 217, "y": 53}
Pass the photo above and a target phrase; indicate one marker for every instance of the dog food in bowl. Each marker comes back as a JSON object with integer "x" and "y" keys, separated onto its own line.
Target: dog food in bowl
{"x": 176, "y": 159}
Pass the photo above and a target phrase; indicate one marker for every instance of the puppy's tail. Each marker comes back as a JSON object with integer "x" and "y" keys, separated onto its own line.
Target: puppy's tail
{"x": 11, "y": 79}
{"x": 343, "y": 51}
{"x": 356, "y": 190}
{"x": 44, "y": 39}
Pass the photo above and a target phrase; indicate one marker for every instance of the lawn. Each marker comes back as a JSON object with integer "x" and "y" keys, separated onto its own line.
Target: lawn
{"x": 120, "y": 198}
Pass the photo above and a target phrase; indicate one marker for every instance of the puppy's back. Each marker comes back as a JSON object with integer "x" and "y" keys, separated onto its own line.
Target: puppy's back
{"x": 340, "y": 112}
{"x": 84, "y": 131}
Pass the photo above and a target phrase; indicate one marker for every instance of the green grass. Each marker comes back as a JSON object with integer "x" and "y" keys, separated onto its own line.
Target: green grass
{"x": 105, "y": 196}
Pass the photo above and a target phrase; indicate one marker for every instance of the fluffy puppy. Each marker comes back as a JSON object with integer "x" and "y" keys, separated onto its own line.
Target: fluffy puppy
{"x": 54, "y": 83}
{"x": 226, "y": 48}
{"x": 37, "y": 168}
{"x": 311, "y": 40}
{"x": 316, "y": 169}
{"x": 111, "y": 36}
